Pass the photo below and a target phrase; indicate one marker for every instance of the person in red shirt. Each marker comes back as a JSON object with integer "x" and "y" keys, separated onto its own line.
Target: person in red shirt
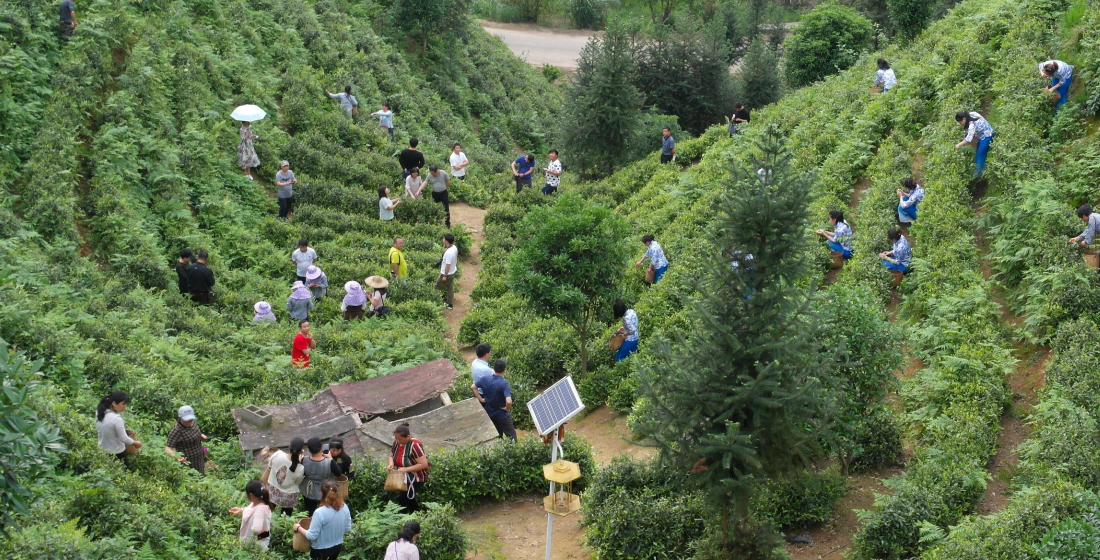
{"x": 303, "y": 346}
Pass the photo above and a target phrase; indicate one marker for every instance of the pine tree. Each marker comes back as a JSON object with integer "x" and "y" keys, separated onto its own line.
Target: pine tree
{"x": 604, "y": 109}
{"x": 760, "y": 81}
{"x": 745, "y": 393}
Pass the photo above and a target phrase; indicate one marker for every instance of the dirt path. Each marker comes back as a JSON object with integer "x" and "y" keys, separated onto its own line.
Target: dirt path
{"x": 474, "y": 220}
{"x": 832, "y": 540}
{"x": 541, "y": 45}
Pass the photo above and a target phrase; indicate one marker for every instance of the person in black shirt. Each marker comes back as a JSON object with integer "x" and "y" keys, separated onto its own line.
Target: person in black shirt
{"x": 341, "y": 457}
{"x": 181, "y": 270}
{"x": 410, "y": 157}
{"x": 740, "y": 115}
{"x": 200, "y": 279}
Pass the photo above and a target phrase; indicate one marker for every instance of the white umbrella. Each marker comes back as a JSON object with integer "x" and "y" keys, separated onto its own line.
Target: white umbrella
{"x": 248, "y": 113}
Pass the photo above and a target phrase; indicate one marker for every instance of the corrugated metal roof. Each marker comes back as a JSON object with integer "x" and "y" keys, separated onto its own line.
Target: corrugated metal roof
{"x": 397, "y": 391}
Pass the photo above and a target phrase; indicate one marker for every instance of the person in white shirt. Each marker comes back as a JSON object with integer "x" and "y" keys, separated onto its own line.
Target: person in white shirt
{"x": 348, "y": 103}
{"x": 414, "y": 184}
{"x": 385, "y": 205}
{"x": 480, "y": 367}
{"x": 1060, "y": 75}
{"x": 113, "y": 435}
{"x": 885, "y": 77}
{"x": 459, "y": 163}
{"x": 256, "y": 517}
{"x": 404, "y": 546}
{"x": 553, "y": 174}
{"x": 448, "y": 265}
{"x": 385, "y": 119}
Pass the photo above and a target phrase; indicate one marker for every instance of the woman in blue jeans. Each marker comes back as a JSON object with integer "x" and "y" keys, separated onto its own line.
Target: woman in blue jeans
{"x": 629, "y": 328}
{"x": 899, "y": 256}
{"x": 1060, "y": 75}
{"x": 840, "y": 239}
{"x": 978, "y": 134}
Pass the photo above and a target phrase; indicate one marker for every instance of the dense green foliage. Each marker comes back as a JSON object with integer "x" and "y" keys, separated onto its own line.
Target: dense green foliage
{"x": 829, "y": 39}
{"x": 761, "y": 82}
{"x": 569, "y": 264}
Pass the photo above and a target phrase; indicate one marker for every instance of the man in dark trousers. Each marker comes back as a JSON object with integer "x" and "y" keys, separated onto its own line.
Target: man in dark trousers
{"x": 496, "y": 398}
{"x": 67, "y": 11}
{"x": 410, "y": 157}
{"x": 200, "y": 280}
{"x": 181, "y": 270}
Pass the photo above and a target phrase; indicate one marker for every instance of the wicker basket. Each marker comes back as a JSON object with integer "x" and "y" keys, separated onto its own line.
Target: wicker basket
{"x": 132, "y": 449}
{"x": 301, "y": 543}
{"x": 838, "y": 259}
{"x": 895, "y": 278}
{"x": 1092, "y": 258}
{"x": 342, "y": 487}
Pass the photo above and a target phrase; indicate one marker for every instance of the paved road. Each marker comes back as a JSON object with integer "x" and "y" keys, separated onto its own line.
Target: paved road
{"x": 541, "y": 45}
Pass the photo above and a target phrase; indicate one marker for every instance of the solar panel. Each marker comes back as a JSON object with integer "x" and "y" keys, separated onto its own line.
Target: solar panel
{"x": 555, "y": 405}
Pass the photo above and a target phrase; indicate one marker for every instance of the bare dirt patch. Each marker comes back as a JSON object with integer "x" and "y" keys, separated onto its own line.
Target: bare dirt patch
{"x": 833, "y": 540}
{"x": 516, "y": 530}
{"x": 605, "y": 428}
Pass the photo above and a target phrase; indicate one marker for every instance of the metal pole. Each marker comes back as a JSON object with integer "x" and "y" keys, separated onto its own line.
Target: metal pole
{"x": 549, "y": 516}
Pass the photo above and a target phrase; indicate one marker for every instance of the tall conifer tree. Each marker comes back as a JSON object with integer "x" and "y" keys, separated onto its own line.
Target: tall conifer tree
{"x": 746, "y": 393}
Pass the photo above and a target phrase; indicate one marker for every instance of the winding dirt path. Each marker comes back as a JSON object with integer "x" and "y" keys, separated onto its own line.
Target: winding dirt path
{"x": 474, "y": 221}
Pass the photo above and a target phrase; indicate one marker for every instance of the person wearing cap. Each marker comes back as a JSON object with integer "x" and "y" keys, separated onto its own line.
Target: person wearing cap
{"x": 300, "y": 302}
{"x": 285, "y": 181}
{"x": 379, "y": 287}
{"x": 353, "y": 301}
{"x": 263, "y": 313}
{"x": 185, "y": 441}
{"x": 317, "y": 282}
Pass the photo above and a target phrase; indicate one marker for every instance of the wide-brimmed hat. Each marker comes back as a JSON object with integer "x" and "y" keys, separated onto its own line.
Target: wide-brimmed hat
{"x": 377, "y": 282}
{"x": 313, "y": 272}
{"x": 262, "y": 307}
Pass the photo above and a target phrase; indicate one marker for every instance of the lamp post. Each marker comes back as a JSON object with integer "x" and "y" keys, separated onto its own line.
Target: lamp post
{"x": 561, "y": 501}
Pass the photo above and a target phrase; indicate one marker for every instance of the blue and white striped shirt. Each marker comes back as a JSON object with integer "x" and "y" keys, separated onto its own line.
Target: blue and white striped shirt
{"x": 978, "y": 126}
{"x": 916, "y": 195}
{"x": 843, "y": 233}
{"x": 656, "y": 255}
{"x": 630, "y": 324}
{"x": 1063, "y": 73}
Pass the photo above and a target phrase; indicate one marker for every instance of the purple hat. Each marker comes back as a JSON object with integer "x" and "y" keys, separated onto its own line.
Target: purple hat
{"x": 355, "y": 295}
{"x": 300, "y": 291}
{"x": 313, "y": 272}
{"x": 263, "y": 311}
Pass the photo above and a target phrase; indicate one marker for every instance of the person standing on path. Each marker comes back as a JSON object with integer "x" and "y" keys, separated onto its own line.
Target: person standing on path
{"x": 884, "y": 76}
{"x": 348, "y": 103}
{"x": 186, "y": 439}
{"x": 303, "y": 258}
{"x": 496, "y": 399}
{"x": 553, "y": 174}
{"x": 522, "y": 175}
{"x": 410, "y": 157}
{"x": 908, "y": 199}
{"x": 978, "y": 134}
{"x": 1092, "y": 225}
{"x": 440, "y": 182}
{"x": 200, "y": 280}
{"x": 331, "y": 521}
{"x": 111, "y": 428}
{"x": 300, "y": 301}
{"x": 68, "y": 18}
{"x": 285, "y": 181}
{"x": 1060, "y": 75}
{"x": 656, "y": 256}
{"x": 668, "y": 145}
{"x": 448, "y": 265}
{"x": 385, "y": 205}
{"x": 398, "y": 267}
{"x": 246, "y": 151}
{"x": 285, "y": 475}
{"x": 303, "y": 346}
{"x": 459, "y": 163}
{"x": 181, "y": 270}
{"x": 480, "y": 367}
{"x": 414, "y": 184}
{"x": 385, "y": 119}
{"x": 317, "y": 282}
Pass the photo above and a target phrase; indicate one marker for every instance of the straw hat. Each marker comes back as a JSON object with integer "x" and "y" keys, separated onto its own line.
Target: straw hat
{"x": 377, "y": 282}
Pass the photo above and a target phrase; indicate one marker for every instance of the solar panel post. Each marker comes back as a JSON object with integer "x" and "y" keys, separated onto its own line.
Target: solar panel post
{"x": 555, "y": 406}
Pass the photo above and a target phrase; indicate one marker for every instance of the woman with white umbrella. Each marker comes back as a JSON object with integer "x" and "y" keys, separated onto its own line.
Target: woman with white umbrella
{"x": 246, "y": 152}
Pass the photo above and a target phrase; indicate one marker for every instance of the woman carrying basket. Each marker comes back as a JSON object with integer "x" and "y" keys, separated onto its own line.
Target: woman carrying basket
{"x": 328, "y": 524}
{"x": 407, "y": 456}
